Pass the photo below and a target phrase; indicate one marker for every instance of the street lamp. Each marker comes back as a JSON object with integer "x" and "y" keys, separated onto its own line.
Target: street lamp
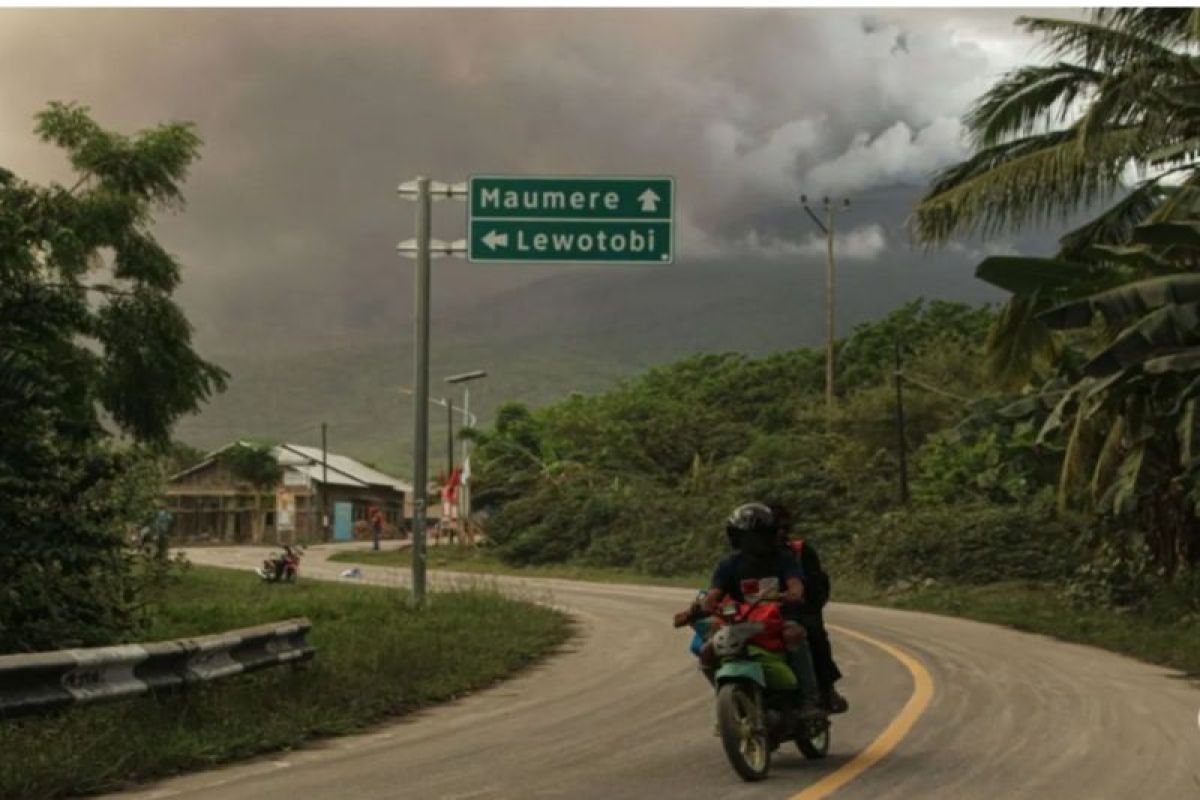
{"x": 465, "y": 379}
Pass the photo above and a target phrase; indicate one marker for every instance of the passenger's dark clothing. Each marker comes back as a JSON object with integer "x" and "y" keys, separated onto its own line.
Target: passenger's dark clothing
{"x": 809, "y": 613}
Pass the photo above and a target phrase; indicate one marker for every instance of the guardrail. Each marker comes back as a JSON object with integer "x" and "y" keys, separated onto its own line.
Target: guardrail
{"x": 32, "y": 683}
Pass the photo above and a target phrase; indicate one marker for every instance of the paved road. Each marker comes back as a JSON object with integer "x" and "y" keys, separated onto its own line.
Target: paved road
{"x": 622, "y": 714}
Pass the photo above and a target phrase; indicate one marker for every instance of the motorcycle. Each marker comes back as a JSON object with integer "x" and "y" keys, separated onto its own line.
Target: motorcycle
{"x": 757, "y": 698}
{"x": 282, "y": 568}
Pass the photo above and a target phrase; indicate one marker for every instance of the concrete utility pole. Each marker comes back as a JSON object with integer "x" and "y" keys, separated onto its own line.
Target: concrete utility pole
{"x": 827, "y": 228}
{"x": 421, "y": 381}
{"x": 422, "y": 190}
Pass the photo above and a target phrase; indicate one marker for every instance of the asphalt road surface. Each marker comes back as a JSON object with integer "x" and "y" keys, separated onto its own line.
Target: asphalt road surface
{"x": 941, "y": 708}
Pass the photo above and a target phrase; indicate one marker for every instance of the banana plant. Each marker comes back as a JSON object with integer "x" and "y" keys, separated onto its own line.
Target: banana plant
{"x": 1123, "y": 414}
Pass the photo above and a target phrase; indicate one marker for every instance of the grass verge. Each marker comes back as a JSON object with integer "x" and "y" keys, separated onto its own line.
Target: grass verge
{"x": 375, "y": 658}
{"x": 1161, "y": 638}
{"x": 456, "y": 558}
{"x": 1041, "y": 608}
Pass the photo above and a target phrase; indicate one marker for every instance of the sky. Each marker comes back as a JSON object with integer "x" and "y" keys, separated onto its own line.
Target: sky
{"x": 311, "y": 118}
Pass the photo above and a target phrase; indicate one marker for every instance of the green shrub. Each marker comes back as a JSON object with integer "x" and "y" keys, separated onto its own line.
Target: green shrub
{"x": 1121, "y": 572}
{"x": 966, "y": 544}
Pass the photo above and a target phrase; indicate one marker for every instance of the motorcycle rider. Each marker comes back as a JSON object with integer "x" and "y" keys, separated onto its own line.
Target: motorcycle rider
{"x": 809, "y": 613}
{"x": 282, "y": 561}
{"x": 759, "y": 569}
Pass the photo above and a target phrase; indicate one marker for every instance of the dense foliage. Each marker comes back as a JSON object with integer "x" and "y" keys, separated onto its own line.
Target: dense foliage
{"x": 1105, "y": 335}
{"x": 642, "y": 477}
{"x": 89, "y": 338}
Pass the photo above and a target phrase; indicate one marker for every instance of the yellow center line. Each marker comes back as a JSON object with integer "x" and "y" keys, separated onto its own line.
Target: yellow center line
{"x": 896, "y": 730}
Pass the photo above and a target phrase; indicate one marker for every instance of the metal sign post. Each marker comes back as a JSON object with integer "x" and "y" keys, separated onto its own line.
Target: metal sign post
{"x": 423, "y": 248}
{"x": 599, "y": 219}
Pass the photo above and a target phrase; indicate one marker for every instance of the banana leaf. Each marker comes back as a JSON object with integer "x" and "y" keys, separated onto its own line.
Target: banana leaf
{"x": 1184, "y": 234}
{"x": 1125, "y": 302}
{"x": 1166, "y": 329}
{"x": 1024, "y": 275}
{"x": 1187, "y": 360}
{"x": 1185, "y": 431}
{"x": 1187, "y": 393}
{"x": 1123, "y": 495}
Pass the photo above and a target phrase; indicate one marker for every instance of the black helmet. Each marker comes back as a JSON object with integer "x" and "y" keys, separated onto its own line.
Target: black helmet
{"x": 783, "y": 519}
{"x": 752, "y": 526}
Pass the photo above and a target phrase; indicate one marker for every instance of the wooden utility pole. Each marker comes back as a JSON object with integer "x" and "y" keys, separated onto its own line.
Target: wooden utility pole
{"x": 449, "y": 437}
{"x": 827, "y": 228}
{"x": 902, "y": 440}
{"x": 829, "y": 306}
{"x": 324, "y": 486}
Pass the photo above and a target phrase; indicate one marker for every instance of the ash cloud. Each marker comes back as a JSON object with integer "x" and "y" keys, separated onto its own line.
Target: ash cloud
{"x": 312, "y": 117}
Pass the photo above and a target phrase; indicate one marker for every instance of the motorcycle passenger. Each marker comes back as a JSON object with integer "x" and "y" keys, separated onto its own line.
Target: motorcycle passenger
{"x": 809, "y": 613}
{"x": 759, "y": 569}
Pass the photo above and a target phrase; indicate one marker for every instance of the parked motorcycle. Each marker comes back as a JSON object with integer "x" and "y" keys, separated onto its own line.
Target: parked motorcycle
{"x": 758, "y": 701}
{"x": 281, "y": 568}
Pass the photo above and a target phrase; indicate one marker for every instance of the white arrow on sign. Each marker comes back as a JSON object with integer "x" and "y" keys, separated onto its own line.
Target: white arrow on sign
{"x": 494, "y": 240}
{"x": 649, "y": 200}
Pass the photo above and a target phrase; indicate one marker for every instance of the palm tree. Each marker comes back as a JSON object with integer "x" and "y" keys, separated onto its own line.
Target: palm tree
{"x": 1115, "y": 314}
{"x": 1122, "y": 96}
{"x": 1053, "y": 139}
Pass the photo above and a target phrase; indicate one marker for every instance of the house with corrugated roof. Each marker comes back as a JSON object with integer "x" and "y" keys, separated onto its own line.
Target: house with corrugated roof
{"x": 321, "y": 496}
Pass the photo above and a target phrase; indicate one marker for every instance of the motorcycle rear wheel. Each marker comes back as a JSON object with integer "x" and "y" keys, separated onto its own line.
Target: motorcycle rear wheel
{"x": 743, "y": 731}
{"x": 815, "y": 745}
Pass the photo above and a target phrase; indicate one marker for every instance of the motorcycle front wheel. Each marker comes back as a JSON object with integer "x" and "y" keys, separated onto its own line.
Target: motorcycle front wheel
{"x": 743, "y": 730}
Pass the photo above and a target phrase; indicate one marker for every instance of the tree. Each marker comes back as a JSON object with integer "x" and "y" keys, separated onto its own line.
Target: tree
{"x": 181, "y": 455}
{"x": 253, "y": 463}
{"x": 1110, "y": 323}
{"x": 80, "y": 355}
{"x": 1052, "y": 140}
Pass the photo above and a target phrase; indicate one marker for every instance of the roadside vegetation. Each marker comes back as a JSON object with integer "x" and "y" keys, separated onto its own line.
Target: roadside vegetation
{"x": 1051, "y": 443}
{"x": 375, "y": 659}
{"x": 482, "y": 561}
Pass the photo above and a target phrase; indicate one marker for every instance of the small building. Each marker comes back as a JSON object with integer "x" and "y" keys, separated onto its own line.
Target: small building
{"x": 319, "y": 498}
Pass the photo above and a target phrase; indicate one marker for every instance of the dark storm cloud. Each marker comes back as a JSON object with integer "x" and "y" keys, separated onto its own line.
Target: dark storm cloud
{"x": 311, "y": 117}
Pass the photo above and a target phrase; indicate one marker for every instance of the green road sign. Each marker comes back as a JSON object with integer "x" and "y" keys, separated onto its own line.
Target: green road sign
{"x": 612, "y": 220}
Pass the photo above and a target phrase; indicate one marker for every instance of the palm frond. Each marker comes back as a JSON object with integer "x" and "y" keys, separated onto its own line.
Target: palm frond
{"x": 1171, "y": 26}
{"x": 1179, "y": 201}
{"x": 1028, "y": 181}
{"x": 1126, "y": 96}
{"x": 1027, "y": 98}
{"x": 1093, "y": 44}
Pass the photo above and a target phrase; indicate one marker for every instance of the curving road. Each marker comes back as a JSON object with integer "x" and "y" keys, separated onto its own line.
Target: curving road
{"x": 621, "y": 713}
